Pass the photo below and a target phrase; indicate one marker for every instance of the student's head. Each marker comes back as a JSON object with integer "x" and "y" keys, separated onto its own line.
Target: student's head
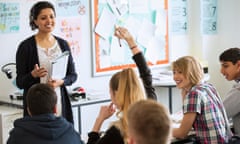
{"x": 230, "y": 63}
{"x": 41, "y": 99}
{"x": 187, "y": 72}
{"x": 40, "y": 13}
{"x": 148, "y": 123}
{"x": 125, "y": 89}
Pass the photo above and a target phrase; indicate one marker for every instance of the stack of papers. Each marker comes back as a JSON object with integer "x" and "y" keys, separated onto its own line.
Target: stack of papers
{"x": 163, "y": 76}
{"x": 59, "y": 66}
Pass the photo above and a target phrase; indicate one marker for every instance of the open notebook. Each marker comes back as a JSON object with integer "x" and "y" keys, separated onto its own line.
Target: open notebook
{"x": 59, "y": 66}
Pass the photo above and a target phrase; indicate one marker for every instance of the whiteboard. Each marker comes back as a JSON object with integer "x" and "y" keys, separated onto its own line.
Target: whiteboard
{"x": 146, "y": 20}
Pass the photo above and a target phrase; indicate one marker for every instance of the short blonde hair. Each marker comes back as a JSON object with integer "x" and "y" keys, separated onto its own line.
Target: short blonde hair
{"x": 149, "y": 122}
{"x": 190, "y": 68}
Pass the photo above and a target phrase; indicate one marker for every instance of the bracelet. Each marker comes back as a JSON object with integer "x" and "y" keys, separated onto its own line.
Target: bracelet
{"x": 133, "y": 47}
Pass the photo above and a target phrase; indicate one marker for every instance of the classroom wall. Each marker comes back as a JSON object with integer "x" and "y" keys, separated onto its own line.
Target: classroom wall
{"x": 8, "y": 45}
{"x": 193, "y": 43}
{"x": 213, "y": 46}
{"x": 207, "y": 48}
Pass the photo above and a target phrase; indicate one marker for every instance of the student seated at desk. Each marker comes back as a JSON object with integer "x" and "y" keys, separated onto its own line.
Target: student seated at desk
{"x": 230, "y": 68}
{"x": 149, "y": 123}
{"x": 43, "y": 126}
{"x": 202, "y": 106}
{"x": 125, "y": 89}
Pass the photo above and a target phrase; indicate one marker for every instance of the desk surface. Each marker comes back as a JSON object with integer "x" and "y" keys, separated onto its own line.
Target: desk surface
{"x": 8, "y": 101}
{"x": 177, "y": 118}
{"x": 171, "y": 82}
{"x": 87, "y": 101}
{"x": 163, "y": 83}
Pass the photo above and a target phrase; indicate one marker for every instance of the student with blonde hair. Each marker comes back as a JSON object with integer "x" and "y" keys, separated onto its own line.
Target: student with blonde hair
{"x": 149, "y": 123}
{"x": 203, "y": 109}
{"x": 125, "y": 89}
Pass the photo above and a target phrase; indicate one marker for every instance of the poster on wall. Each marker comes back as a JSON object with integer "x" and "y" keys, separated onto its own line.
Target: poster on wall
{"x": 70, "y": 30}
{"x": 9, "y": 17}
{"x": 146, "y": 20}
{"x": 209, "y": 17}
{"x": 71, "y": 16}
{"x": 179, "y": 17}
{"x": 70, "y": 8}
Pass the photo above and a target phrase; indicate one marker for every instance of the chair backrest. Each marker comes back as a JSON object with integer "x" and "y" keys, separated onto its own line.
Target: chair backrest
{"x": 234, "y": 140}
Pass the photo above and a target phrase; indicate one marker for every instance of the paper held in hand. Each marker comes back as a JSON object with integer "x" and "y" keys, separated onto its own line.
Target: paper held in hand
{"x": 59, "y": 66}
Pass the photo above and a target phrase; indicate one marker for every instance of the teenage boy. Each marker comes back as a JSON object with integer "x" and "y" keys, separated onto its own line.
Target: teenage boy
{"x": 42, "y": 126}
{"x": 230, "y": 68}
{"x": 148, "y": 123}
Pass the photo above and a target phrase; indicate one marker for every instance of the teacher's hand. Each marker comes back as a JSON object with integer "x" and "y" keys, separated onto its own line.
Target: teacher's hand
{"x": 39, "y": 71}
{"x": 55, "y": 83}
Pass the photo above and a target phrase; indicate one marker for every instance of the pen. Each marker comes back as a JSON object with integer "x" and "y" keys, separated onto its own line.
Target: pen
{"x": 118, "y": 11}
{"x": 119, "y": 41}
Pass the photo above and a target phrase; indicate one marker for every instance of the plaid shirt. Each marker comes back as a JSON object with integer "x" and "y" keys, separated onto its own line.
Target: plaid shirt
{"x": 210, "y": 124}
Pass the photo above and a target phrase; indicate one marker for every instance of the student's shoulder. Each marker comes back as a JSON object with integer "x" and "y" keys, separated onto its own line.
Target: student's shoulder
{"x": 114, "y": 135}
{"x": 202, "y": 87}
{"x": 114, "y": 128}
{"x": 205, "y": 85}
{"x": 233, "y": 93}
{"x": 237, "y": 86}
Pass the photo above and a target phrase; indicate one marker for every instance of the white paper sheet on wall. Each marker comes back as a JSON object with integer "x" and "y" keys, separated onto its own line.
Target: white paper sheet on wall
{"x": 106, "y": 23}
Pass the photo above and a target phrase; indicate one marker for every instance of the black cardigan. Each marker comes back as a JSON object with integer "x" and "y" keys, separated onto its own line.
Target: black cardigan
{"x": 27, "y": 57}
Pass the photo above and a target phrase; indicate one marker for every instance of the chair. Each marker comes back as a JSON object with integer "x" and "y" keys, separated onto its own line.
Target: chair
{"x": 234, "y": 140}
